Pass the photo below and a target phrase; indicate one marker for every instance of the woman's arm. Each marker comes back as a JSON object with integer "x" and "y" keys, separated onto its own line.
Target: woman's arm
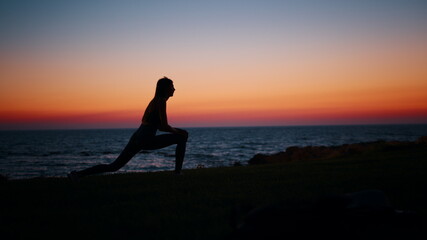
{"x": 164, "y": 126}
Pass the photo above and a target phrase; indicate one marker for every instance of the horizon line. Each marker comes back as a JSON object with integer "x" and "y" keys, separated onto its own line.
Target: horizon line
{"x": 231, "y": 126}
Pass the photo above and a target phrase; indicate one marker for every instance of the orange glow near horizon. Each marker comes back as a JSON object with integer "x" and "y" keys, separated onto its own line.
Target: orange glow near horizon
{"x": 117, "y": 97}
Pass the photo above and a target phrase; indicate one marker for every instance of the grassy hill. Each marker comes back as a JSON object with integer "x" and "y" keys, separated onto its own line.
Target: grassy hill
{"x": 200, "y": 203}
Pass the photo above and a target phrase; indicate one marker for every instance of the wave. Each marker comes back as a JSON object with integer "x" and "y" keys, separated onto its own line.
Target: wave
{"x": 201, "y": 156}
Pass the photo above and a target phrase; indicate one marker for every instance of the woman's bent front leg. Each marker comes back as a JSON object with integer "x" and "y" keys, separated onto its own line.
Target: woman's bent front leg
{"x": 165, "y": 140}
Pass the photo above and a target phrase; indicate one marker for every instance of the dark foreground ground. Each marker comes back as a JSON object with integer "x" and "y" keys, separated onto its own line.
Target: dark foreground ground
{"x": 210, "y": 203}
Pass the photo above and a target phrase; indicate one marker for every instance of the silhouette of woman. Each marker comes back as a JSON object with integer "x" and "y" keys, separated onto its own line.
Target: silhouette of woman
{"x": 145, "y": 137}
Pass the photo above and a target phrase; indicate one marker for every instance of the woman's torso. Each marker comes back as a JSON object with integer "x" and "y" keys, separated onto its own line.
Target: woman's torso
{"x": 152, "y": 114}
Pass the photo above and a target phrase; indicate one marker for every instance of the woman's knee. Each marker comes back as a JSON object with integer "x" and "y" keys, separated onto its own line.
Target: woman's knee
{"x": 182, "y": 138}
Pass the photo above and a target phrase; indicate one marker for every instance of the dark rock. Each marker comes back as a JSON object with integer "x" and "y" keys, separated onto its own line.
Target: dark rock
{"x": 296, "y": 153}
{"x": 237, "y": 164}
{"x": 422, "y": 140}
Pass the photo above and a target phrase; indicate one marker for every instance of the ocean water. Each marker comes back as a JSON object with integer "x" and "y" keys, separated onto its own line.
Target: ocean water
{"x": 46, "y": 153}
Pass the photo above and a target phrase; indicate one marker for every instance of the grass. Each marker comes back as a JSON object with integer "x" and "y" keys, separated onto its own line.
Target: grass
{"x": 199, "y": 204}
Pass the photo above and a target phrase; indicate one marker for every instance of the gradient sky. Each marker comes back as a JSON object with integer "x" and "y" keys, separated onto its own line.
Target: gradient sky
{"x": 94, "y": 64}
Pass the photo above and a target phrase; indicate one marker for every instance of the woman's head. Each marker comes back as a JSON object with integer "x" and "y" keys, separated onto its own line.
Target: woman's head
{"x": 164, "y": 88}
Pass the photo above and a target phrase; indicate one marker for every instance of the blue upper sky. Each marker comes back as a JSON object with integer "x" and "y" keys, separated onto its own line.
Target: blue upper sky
{"x": 27, "y": 23}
